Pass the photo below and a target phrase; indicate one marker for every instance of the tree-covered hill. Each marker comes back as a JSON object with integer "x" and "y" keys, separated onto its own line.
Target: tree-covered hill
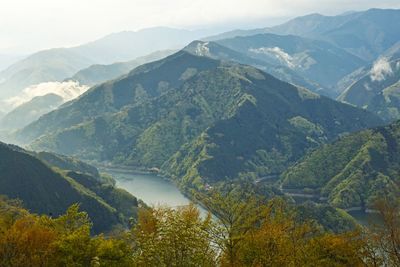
{"x": 199, "y": 119}
{"x": 314, "y": 60}
{"x": 377, "y": 89}
{"x": 30, "y": 111}
{"x": 49, "y": 184}
{"x": 280, "y": 71}
{"x": 354, "y": 171}
{"x": 99, "y": 73}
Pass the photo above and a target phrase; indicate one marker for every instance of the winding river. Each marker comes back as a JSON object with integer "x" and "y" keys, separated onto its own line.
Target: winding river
{"x": 155, "y": 190}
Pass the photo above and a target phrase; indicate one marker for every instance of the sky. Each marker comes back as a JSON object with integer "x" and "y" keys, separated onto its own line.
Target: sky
{"x": 30, "y": 25}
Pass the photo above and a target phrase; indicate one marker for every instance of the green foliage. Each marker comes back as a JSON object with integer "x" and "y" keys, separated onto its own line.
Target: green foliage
{"x": 45, "y": 188}
{"x": 245, "y": 232}
{"x": 379, "y": 95}
{"x": 167, "y": 237}
{"x": 201, "y": 121}
{"x": 354, "y": 171}
{"x": 31, "y": 240}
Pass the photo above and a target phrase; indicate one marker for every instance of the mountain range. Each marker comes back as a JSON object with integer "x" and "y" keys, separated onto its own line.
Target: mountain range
{"x": 314, "y": 60}
{"x": 45, "y": 66}
{"x": 303, "y": 44}
{"x": 282, "y": 72}
{"x": 96, "y": 74}
{"x": 196, "y": 118}
{"x": 365, "y": 34}
{"x": 61, "y": 63}
{"x": 299, "y": 107}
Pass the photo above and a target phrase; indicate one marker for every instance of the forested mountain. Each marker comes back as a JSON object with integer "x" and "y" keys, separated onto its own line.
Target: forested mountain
{"x": 200, "y": 119}
{"x": 317, "y": 61}
{"x": 61, "y": 63}
{"x": 97, "y": 73}
{"x": 377, "y": 89}
{"x": 128, "y": 45}
{"x": 354, "y": 171}
{"x": 282, "y": 72}
{"x": 366, "y": 34}
{"x": 49, "y": 184}
{"x": 30, "y": 111}
{"x": 44, "y": 66}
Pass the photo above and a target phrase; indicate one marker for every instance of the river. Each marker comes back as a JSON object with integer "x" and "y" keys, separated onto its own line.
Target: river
{"x": 152, "y": 189}
{"x": 155, "y": 190}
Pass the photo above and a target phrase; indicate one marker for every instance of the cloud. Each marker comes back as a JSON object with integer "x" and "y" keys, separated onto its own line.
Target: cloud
{"x": 380, "y": 70}
{"x": 277, "y": 52}
{"x": 202, "y": 49}
{"x": 67, "y": 90}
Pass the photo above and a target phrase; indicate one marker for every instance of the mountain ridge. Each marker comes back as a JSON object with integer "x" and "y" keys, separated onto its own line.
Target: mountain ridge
{"x": 180, "y": 98}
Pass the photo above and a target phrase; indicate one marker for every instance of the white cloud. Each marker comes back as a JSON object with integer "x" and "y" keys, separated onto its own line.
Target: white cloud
{"x": 380, "y": 70}
{"x": 277, "y": 52}
{"x": 67, "y": 90}
{"x": 202, "y": 49}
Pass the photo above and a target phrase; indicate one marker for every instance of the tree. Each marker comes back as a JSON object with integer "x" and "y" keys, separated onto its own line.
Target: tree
{"x": 168, "y": 237}
{"x": 236, "y": 214}
{"x": 383, "y": 241}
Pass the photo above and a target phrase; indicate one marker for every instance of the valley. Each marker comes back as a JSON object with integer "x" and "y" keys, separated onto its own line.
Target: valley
{"x": 275, "y": 145}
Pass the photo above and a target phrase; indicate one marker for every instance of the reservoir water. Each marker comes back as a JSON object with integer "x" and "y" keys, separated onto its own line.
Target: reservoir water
{"x": 150, "y": 188}
{"x": 155, "y": 190}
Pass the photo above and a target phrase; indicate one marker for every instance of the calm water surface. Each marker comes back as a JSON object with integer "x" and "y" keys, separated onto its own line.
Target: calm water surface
{"x": 155, "y": 190}
{"x": 150, "y": 188}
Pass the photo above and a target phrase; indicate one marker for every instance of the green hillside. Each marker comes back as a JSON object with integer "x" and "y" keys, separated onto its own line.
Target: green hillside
{"x": 98, "y": 73}
{"x": 317, "y": 61}
{"x": 197, "y": 118}
{"x": 30, "y": 111}
{"x": 49, "y": 184}
{"x": 377, "y": 90}
{"x": 354, "y": 171}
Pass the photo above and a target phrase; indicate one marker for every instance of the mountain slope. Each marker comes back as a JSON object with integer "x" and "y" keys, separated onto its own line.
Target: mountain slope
{"x": 354, "y": 171}
{"x": 59, "y": 64}
{"x": 45, "y": 189}
{"x": 30, "y": 111}
{"x": 165, "y": 113}
{"x": 140, "y": 85}
{"x": 8, "y": 59}
{"x": 127, "y": 45}
{"x": 284, "y": 73}
{"x": 365, "y": 34}
{"x": 45, "y": 66}
{"x": 315, "y": 60}
{"x": 96, "y": 74}
{"x": 377, "y": 89}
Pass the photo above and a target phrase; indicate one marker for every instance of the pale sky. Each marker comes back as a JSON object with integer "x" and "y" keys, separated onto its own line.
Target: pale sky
{"x": 29, "y": 25}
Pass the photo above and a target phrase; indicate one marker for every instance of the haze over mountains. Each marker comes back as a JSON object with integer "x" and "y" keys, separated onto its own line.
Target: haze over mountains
{"x": 59, "y": 64}
{"x": 366, "y": 34}
{"x": 316, "y": 61}
{"x": 308, "y": 109}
